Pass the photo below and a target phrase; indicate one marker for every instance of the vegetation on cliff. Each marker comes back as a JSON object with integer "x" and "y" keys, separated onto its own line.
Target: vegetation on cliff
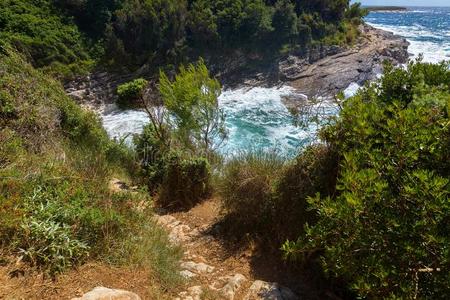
{"x": 368, "y": 204}
{"x": 56, "y": 161}
{"x": 66, "y": 36}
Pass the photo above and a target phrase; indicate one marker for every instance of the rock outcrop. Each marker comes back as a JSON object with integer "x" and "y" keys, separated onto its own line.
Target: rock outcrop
{"x": 330, "y": 74}
{"x": 96, "y": 89}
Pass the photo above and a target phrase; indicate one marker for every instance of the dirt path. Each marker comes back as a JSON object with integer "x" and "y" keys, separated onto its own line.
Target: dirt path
{"x": 212, "y": 269}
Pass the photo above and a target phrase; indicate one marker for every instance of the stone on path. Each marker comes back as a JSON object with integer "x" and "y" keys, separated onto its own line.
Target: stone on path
{"x": 193, "y": 293}
{"x": 232, "y": 286}
{"x": 199, "y": 268}
{"x": 103, "y": 293}
{"x": 261, "y": 290}
{"x": 186, "y": 274}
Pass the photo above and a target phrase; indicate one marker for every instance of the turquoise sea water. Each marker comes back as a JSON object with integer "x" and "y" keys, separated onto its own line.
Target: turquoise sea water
{"x": 256, "y": 118}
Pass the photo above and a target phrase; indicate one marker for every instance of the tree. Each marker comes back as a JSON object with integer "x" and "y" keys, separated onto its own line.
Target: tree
{"x": 192, "y": 102}
{"x": 150, "y": 29}
{"x": 285, "y": 20}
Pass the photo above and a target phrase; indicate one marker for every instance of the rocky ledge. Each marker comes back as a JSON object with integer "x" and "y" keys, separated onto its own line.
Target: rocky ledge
{"x": 333, "y": 73}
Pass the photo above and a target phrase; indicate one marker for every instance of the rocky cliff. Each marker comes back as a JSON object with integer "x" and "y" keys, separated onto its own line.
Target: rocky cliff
{"x": 320, "y": 71}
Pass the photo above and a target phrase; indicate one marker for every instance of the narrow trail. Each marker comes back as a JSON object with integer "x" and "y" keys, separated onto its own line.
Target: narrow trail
{"x": 212, "y": 270}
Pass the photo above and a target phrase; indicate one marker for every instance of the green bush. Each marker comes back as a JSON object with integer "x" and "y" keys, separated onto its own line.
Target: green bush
{"x": 186, "y": 181}
{"x": 50, "y": 244}
{"x": 55, "y": 165}
{"x": 131, "y": 93}
{"x": 181, "y": 179}
{"x": 147, "y": 245}
{"x": 386, "y": 231}
{"x": 267, "y": 196}
{"x": 46, "y": 37}
{"x": 313, "y": 171}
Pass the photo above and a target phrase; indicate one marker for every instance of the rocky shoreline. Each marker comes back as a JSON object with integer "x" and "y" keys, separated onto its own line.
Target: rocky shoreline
{"x": 334, "y": 73}
{"x": 322, "y": 71}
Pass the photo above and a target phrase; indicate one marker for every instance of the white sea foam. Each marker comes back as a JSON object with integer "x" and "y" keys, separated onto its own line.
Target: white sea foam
{"x": 256, "y": 118}
{"x": 124, "y": 123}
{"x": 432, "y": 45}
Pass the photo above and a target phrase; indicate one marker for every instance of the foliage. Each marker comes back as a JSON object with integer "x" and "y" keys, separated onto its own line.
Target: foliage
{"x": 147, "y": 30}
{"x": 182, "y": 180}
{"x": 56, "y": 207}
{"x": 386, "y": 230}
{"x": 191, "y": 100}
{"x": 247, "y": 186}
{"x": 68, "y": 38}
{"x": 313, "y": 171}
{"x": 267, "y": 196}
{"x": 44, "y": 36}
{"x": 47, "y": 243}
{"x": 147, "y": 245}
{"x": 186, "y": 181}
{"x": 131, "y": 92}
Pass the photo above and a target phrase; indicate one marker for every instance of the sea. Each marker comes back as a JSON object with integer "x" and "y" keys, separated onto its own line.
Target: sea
{"x": 257, "y": 119}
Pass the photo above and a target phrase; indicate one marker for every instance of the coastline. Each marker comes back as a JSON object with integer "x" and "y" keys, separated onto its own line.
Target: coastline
{"x": 323, "y": 71}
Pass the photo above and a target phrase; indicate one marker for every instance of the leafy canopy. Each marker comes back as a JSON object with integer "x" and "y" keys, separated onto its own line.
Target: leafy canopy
{"x": 192, "y": 102}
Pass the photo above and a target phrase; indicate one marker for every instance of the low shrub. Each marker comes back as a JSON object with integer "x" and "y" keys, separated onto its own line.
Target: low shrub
{"x": 147, "y": 245}
{"x": 56, "y": 160}
{"x": 246, "y": 187}
{"x": 50, "y": 244}
{"x": 186, "y": 181}
{"x": 267, "y": 196}
{"x": 131, "y": 92}
{"x": 181, "y": 179}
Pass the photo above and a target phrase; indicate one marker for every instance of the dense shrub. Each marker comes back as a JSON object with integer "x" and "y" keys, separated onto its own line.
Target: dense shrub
{"x": 386, "y": 232}
{"x": 186, "y": 181}
{"x": 131, "y": 93}
{"x": 46, "y": 37}
{"x": 50, "y": 244}
{"x": 68, "y": 37}
{"x": 267, "y": 196}
{"x": 313, "y": 171}
{"x": 181, "y": 179}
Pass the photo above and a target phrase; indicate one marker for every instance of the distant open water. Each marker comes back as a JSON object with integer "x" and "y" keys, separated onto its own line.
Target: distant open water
{"x": 256, "y": 118}
{"x": 427, "y": 29}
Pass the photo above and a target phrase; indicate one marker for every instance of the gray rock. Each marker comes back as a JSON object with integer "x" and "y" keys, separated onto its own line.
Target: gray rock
{"x": 187, "y": 274}
{"x": 261, "y": 290}
{"x": 103, "y": 293}
{"x": 193, "y": 293}
{"x": 232, "y": 286}
{"x": 198, "y": 268}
